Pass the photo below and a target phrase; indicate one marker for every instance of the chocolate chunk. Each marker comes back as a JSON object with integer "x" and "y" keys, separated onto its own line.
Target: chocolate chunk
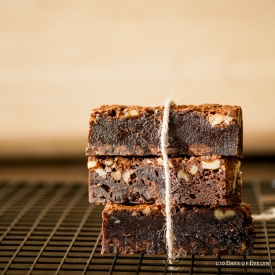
{"x": 206, "y": 180}
{"x": 197, "y": 230}
{"x": 207, "y": 129}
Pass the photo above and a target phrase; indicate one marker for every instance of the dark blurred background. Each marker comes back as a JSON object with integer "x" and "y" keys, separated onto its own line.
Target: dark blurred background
{"x": 61, "y": 59}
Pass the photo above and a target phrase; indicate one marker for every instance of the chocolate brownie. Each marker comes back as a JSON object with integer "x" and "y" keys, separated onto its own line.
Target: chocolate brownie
{"x": 193, "y": 130}
{"x": 206, "y": 180}
{"x": 197, "y": 230}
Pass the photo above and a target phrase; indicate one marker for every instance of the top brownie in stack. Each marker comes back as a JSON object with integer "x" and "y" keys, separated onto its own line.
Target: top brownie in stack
{"x": 208, "y": 129}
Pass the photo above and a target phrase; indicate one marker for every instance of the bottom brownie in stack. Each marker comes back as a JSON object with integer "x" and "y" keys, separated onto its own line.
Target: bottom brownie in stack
{"x": 223, "y": 230}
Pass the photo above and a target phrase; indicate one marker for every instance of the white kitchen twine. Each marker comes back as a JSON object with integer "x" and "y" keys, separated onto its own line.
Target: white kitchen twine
{"x": 168, "y": 205}
{"x": 266, "y": 215}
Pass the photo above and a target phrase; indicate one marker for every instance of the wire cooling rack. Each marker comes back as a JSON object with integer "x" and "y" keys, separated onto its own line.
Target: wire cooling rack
{"x": 50, "y": 228}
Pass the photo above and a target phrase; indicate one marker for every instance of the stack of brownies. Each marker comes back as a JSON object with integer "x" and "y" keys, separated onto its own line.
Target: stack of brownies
{"x": 126, "y": 173}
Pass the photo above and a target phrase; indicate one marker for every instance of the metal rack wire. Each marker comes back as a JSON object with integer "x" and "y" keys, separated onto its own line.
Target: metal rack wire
{"x": 50, "y": 228}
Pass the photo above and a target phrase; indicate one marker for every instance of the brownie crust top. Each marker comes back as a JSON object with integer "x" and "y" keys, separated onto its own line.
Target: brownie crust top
{"x": 123, "y": 111}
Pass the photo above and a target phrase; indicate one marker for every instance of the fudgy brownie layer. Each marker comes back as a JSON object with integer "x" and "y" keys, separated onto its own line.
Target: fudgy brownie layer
{"x": 197, "y": 230}
{"x": 207, "y": 180}
{"x": 193, "y": 130}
